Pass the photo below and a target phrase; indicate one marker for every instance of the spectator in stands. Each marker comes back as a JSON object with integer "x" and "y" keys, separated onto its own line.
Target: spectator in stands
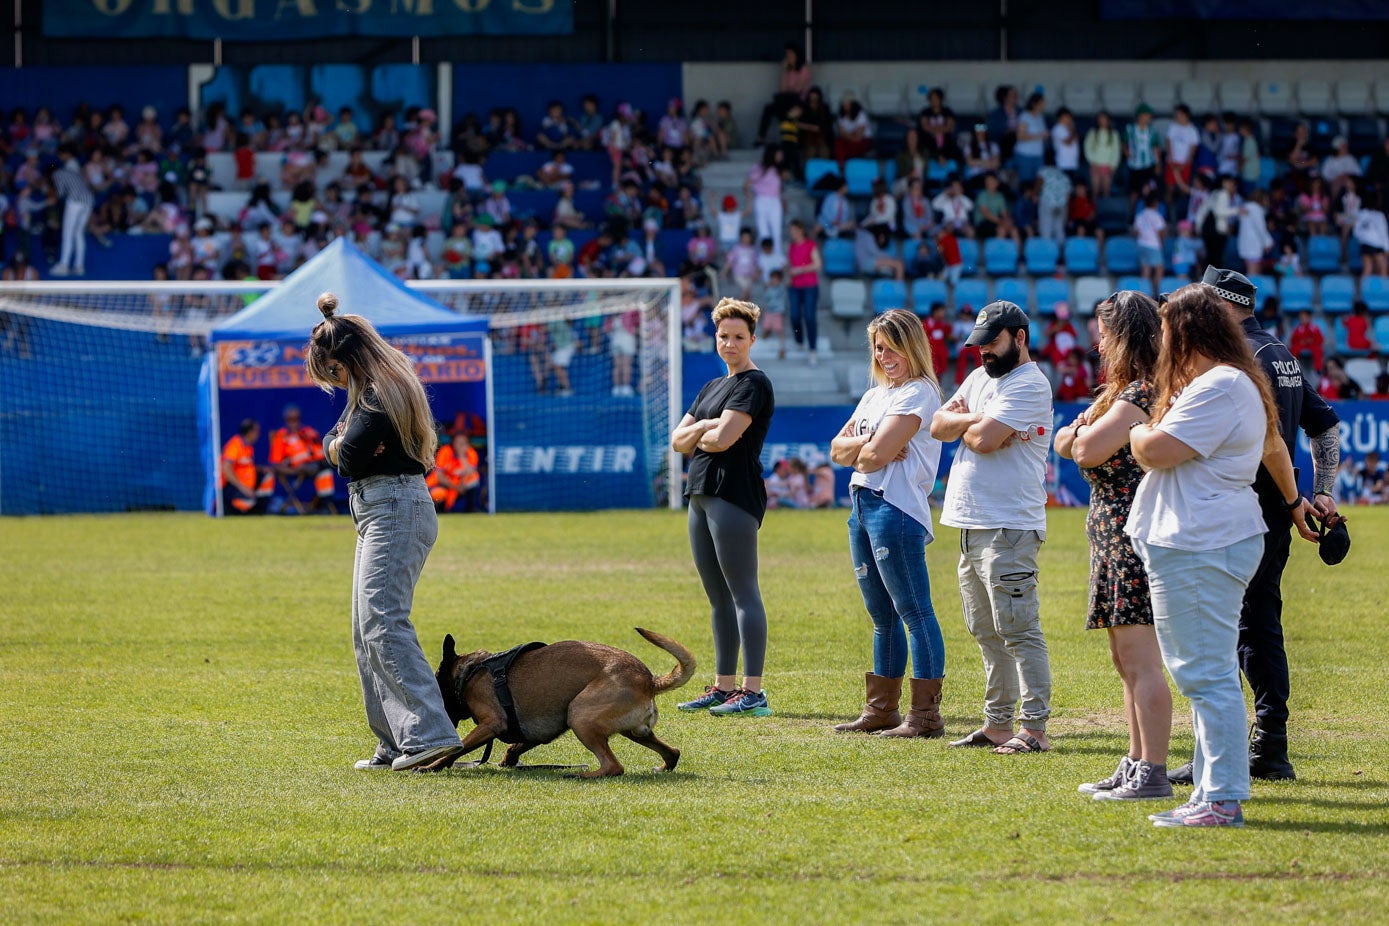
{"x": 1072, "y": 377}
{"x": 1307, "y": 342}
{"x": 488, "y": 246}
{"x": 1059, "y": 338}
{"x": 1348, "y": 484}
{"x": 673, "y": 130}
{"x": 1360, "y": 334}
{"x": 939, "y": 336}
{"x": 967, "y": 356}
{"x": 803, "y": 268}
{"x": 1186, "y": 250}
{"x": 78, "y": 199}
{"x": 882, "y": 208}
{"x": 1302, "y": 163}
{"x": 497, "y": 205}
{"x": 789, "y": 139}
{"x": 822, "y": 481}
{"x": 1372, "y": 234}
{"x": 775, "y": 300}
{"x": 1065, "y": 144}
{"x": 740, "y": 265}
{"x": 706, "y": 141}
{"x": 910, "y": 161}
{"x": 769, "y": 260}
{"x": 246, "y": 487}
{"x": 1183, "y": 138}
{"x": 888, "y": 445}
{"x": 455, "y": 475}
{"x": 1003, "y": 120}
{"x": 1031, "y": 140}
{"x": 1143, "y": 151}
{"x": 836, "y": 216}
{"x": 955, "y": 208}
{"x": 148, "y": 133}
{"x": 951, "y": 258}
{"x": 1149, "y": 227}
{"x": 723, "y": 119}
{"x": 556, "y": 132}
{"x": 1081, "y": 216}
{"x": 1340, "y": 167}
{"x": 296, "y": 455}
{"x": 1250, "y": 165}
{"x": 1313, "y": 206}
{"x": 1337, "y": 384}
{"x": 764, "y": 186}
{"x": 1207, "y": 158}
{"x": 1254, "y": 240}
{"x": 981, "y": 156}
{"x": 792, "y": 87}
{"x": 1026, "y": 209}
{"x": 616, "y": 137}
{"x": 853, "y": 132}
{"x": 817, "y": 126}
{"x": 1373, "y": 478}
{"x": 1217, "y": 218}
{"x": 937, "y": 124}
{"x": 1052, "y": 200}
{"x": 918, "y": 217}
{"x": 701, "y": 251}
{"x": 1231, "y": 150}
{"x": 992, "y": 218}
{"x": 874, "y": 257}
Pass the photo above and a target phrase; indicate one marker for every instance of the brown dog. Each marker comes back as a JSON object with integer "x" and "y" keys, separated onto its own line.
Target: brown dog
{"x": 592, "y": 689}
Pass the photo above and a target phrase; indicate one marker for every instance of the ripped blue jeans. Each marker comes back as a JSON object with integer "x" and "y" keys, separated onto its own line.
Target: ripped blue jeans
{"x": 889, "y": 553}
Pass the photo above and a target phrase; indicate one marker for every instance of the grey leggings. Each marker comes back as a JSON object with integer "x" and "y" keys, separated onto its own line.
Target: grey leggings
{"x": 723, "y": 538}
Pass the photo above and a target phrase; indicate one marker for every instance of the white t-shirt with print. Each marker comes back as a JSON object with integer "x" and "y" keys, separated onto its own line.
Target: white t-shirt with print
{"x": 1182, "y": 141}
{"x": 906, "y": 484}
{"x": 1067, "y": 154}
{"x": 1147, "y": 227}
{"x": 1207, "y": 502}
{"x": 1006, "y": 488}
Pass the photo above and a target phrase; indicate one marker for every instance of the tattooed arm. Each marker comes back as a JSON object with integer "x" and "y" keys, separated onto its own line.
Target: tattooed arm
{"x": 1326, "y": 462}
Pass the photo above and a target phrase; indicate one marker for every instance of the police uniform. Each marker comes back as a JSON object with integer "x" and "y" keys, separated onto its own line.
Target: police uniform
{"x": 1261, "y": 653}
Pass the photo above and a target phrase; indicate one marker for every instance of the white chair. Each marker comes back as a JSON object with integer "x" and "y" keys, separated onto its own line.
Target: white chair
{"x": 1092, "y": 290}
{"x": 848, "y": 299}
{"x": 1081, "y": 97}
{"x": 1314, "y": 97}
{"x": 965, "y": 97}
{"x": 1237, "y": 95}
{"x": 884, "y": 98}
{"x": 1121, "y": 97}
{"x": 1160, "y": 95}
{"x": 1353, "y": 98}
{"x": 1275, "y": 97}
{"x": 1198, "y": 94}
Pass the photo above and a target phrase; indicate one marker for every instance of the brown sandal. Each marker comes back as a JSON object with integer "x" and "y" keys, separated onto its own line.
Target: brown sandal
{"x": 1019, "y": 744}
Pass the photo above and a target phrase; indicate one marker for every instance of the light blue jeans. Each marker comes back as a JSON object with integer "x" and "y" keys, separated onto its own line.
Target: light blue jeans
{"x": 889, "y": 553}
{"x": 1196, "y": 607}
{"x": 396, "y": 529}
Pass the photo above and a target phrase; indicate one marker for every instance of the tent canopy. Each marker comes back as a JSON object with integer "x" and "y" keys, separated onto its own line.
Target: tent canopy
{"x": 363, "y": 287}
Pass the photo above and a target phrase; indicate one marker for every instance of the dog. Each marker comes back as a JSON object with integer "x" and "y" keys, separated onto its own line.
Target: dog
{"x": 592, "y": 689}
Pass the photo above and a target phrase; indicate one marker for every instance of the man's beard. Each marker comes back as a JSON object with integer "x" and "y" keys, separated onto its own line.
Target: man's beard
{"x": 1002, "y": 364}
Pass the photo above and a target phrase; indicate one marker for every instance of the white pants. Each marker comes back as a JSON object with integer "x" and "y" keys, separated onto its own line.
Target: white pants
{"x": 767, "y": 213}
{"x": 74, "y": 253}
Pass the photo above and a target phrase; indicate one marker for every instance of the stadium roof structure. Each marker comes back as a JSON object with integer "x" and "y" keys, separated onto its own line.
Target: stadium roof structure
{"x": 363, "y": 287}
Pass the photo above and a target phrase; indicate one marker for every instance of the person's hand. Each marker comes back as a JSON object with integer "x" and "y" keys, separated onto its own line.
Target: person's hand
{"x": 1325, "y": 507}
{"x": 380, "y": 449}
{"x": 957, "y": 405}
{"x": 1300, "y": 522}
{"x": 901, "y": 454}
{"x": 1008, "y": 441}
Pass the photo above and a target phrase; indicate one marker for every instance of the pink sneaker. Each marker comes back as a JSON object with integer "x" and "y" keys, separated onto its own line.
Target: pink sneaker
{"x": 1206, "y": 813}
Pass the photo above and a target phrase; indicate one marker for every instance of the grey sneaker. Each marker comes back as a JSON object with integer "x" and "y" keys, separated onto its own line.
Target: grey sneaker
{"x": 374, "y": 764}
{"x": 428, "y": 760}
{"x": 1121, "y": 774}
{"x": 1146, "y": 782}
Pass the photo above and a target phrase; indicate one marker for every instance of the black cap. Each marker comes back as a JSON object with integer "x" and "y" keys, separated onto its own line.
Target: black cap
{"x": 1231, "y": 286}
{"x": 1334, "y": 541}
{"x": 993, "y": 319}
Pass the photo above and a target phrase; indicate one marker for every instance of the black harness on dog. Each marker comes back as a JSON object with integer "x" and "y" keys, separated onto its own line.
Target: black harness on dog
{"x": 499, "y": 665}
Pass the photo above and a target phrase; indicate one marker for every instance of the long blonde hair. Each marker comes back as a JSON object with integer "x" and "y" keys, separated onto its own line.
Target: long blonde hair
{"x": 902, "y": 332}
{"x": 372, "y": 362}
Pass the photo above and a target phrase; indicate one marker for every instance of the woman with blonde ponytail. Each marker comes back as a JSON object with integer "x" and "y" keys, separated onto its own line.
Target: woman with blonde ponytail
{"x": 384, "y": 443}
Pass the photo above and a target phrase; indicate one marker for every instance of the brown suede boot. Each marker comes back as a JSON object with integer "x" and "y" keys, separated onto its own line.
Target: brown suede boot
{"x": 924, "y": 717}
{"x": 880, "y": 711}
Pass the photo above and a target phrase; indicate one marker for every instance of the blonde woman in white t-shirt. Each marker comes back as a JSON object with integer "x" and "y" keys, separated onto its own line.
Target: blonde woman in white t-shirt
{"x": 1197, "y": 526}
{"x": 889, "y": 446}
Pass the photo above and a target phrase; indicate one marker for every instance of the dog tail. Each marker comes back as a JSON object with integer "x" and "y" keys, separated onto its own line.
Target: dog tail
{"x": 683, "y": 672}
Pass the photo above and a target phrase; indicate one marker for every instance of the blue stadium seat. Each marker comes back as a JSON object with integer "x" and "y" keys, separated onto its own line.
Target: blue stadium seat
{"x": 1264, "y": 286}
{"x": 937, "y": 172}
{"x": 1082, "y": 256}
{"x": 817, "y": 168}
{"x": 969, "y": 253}
{"x": 339, "y": 85}
{"x": 400, "y": 86}
{"x": 1040, "y": 255}
{"x": 1011, "y": 289}
{"x": 889, "y": 294}
{"x": 277, "y": 88}
{"x": 839, "y": 258}
{"x": 1268, "y": 172}
{"x": 1382, "y": 330}
{"x": 1324, "y": 254}
{"x": 861, "y": 172}
{"x": 1375, "y": 292}
{"x": 1337, "y": 293}
{"x": 972, "y": 293}
{"x": 1050, "y": 291}
{"x": 890, "y": 170}
{"x": 1296, "y": 294}
{"x": 1171, "y": 284}
{"x": 1121, "y": 254}
{"x": 1340, "y": 339}
{"x": 1000, "y": 256}
{"x": 1133, "y": 281}
{"x": 925, "y": 293}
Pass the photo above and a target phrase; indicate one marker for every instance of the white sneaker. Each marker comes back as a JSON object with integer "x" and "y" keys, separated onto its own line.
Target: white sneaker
{"x": 374, "y": 764}
{"x": 428, "y": 759}
{"x": 58, "y": 270}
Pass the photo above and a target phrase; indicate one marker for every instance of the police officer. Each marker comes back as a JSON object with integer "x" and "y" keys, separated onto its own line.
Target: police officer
{"x": 1261, "y": 653}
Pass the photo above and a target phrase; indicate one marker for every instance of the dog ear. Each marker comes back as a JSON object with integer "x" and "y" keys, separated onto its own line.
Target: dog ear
{"x": 449, "y": 653}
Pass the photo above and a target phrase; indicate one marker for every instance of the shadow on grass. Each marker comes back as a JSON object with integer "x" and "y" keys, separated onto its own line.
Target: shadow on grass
{"x": 638, "y": 774}
{"x": 1345, "y": 827}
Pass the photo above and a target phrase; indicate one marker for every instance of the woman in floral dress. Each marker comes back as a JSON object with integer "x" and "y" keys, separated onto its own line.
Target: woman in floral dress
{"x": 1098, "y": 440}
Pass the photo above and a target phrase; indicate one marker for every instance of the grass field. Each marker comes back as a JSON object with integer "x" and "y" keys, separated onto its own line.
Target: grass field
{"x": 181, "y": 714}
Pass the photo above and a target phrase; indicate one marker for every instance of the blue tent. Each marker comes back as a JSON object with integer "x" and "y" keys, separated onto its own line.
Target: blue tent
{"x": 255, "y": 366}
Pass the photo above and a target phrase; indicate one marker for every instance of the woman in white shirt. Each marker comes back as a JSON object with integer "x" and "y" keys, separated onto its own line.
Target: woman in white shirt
{"x": 1197, "y": 526}
{"x": 894, "y": 459}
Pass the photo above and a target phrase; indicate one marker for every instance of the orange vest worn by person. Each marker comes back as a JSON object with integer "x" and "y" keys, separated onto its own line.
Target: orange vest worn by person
{"x": 300, "y": 447}
{"x": 243, "y": 460}
{"x": 460, "y": 472}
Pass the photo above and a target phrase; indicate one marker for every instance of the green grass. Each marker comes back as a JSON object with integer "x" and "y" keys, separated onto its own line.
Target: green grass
{"x": 181, "y": 714}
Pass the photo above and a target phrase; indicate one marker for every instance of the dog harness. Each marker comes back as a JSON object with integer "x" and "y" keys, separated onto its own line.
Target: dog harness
{"x": 499, "y": 665}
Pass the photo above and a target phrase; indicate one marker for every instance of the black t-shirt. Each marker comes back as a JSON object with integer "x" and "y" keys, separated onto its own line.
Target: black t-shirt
{"x": 735, "y": 475}
{"x": 362, "y": 434}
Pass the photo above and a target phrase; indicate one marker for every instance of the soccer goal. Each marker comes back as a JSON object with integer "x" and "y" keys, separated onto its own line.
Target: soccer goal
{"x": 99, "y": 391}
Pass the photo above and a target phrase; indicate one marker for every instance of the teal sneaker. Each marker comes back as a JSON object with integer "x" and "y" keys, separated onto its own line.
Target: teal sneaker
{"x": 744, "y": 703}
{"x": 712, "y": 697}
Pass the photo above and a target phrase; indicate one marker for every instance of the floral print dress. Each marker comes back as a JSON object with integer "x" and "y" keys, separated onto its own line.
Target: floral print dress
{"x": 1118, "y": 583}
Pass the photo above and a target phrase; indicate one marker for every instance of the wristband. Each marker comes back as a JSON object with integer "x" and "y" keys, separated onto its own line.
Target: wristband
{"x": 1293, "y": 505}
{"x": 1136, "y": 424}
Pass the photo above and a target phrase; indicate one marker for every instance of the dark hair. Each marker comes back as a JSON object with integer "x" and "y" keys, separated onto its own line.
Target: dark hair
{"x": 1033, "y": 99}
{"x": 247, "y": 426}
{"x": 769, "y": 156}
{"x": 797, "y": 51}
{"x": 1131, "y": 344}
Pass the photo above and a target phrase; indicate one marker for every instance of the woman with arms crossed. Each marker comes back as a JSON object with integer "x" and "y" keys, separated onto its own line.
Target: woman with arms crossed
{"x": 723, "y": 432}
{"x": 894, "y": 460}
{"x": 1099, "y": 442}
{"x": 384, "y": 443}
{"x": 1197, "y": 526}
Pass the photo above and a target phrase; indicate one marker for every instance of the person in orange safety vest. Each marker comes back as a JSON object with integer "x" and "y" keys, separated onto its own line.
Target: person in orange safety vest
{"x": 296, "y": 453}
{"x": 246, "y": 487}
{"x": 456, "y": 475}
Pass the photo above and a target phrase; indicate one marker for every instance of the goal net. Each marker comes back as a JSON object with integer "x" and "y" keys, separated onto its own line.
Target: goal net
{"x": 99, "y": 392}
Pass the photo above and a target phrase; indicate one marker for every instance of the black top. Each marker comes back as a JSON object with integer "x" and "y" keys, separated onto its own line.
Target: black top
{"x": 367, "y": 430}
{"x": 1299, "y": 406}
{"x": 735, "y": 475}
